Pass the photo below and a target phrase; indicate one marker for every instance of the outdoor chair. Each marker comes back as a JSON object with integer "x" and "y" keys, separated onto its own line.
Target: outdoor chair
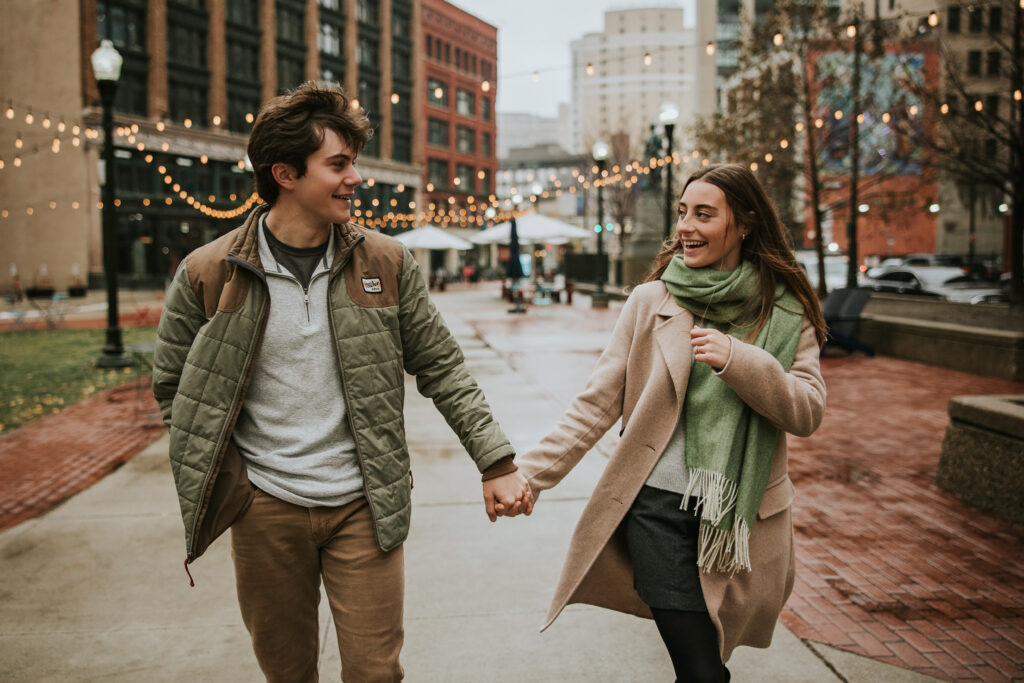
{"x": 843, "y": 308}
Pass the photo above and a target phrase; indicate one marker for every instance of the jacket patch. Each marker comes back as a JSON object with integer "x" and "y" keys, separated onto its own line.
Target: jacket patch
{"x": 371, "y": 285}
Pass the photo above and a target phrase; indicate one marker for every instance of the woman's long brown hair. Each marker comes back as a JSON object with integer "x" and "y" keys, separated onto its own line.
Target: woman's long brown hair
{"x": 766, "y": 246}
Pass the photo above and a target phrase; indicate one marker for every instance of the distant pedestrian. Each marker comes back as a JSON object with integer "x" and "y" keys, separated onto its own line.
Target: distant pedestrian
{"x": 713, "y": 360}
{"x": 280, "y": 370}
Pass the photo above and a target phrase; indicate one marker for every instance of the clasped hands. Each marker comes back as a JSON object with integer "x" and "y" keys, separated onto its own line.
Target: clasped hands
{"x": 507, "y": 496}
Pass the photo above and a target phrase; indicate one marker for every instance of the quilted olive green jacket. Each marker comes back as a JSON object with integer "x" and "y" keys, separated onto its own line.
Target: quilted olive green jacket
{"x": 383, "y": 321}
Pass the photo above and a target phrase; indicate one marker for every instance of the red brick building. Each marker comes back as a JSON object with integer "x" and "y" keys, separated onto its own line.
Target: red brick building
{"x": 898, "y": 189}
{"x": 460, "y": 65}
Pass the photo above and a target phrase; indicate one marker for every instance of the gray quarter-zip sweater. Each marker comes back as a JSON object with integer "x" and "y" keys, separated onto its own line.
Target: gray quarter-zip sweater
{"x": 292, "y": 429}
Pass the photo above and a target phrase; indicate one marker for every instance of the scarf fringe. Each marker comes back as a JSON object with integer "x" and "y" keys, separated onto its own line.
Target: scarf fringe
{"x": 723, "y": 550}
{"x": 717, "y": 494}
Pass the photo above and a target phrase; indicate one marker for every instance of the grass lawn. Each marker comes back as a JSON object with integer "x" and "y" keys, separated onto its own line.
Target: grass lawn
{"x": 43, "y": 371}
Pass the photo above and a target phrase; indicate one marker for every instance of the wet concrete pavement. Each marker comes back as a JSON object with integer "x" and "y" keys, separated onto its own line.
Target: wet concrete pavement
{"x": 897, "y": 580}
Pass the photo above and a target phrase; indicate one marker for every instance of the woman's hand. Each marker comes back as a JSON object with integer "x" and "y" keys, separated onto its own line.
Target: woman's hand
{"x": 710, "y": 346}
{"x": 508, "y": 496}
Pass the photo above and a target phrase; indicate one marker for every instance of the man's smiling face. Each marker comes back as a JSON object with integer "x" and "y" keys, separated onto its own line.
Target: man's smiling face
{"x": 327, "y": 187}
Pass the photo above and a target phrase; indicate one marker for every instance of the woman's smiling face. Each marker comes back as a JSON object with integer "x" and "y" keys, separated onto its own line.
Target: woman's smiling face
{"x": 706, "y": 228}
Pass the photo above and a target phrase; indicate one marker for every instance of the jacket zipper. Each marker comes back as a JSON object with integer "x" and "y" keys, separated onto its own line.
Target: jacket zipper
{"x": 236, "y": 403}
{"x": 344, "y": 384}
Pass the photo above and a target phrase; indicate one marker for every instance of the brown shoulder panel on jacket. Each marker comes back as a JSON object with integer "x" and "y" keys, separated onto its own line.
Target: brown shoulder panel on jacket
{"x": 209, "y": 270}
{"x": 373, "y": 274}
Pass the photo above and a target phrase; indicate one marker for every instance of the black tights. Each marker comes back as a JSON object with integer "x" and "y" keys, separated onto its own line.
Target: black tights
{"x": 692, "y": 644}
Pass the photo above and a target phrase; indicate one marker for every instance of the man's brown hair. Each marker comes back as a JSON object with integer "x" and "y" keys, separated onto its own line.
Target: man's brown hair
{"x": 290, "y": 128}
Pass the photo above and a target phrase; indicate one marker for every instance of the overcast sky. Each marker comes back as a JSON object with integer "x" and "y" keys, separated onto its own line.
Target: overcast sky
{"x": 534, "y": 35}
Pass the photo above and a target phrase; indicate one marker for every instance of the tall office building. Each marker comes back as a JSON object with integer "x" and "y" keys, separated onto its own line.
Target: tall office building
{"x": 460, "y": 70}
{"x": 642, "y": 59}
{"x": 195, "y": 73}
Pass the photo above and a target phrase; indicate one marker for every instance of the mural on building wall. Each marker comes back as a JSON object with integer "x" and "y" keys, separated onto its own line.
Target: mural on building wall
{"x": 892, "y": 130}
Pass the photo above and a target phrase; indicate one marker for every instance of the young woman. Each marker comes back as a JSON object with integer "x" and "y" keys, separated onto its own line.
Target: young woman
{"x": 713, "y": 360}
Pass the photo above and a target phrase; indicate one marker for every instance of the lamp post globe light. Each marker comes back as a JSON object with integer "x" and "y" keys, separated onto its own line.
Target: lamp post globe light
{"x": 106, "y": 65}
{"x": 600, "y": 153}
{"x": 668, "y": 117}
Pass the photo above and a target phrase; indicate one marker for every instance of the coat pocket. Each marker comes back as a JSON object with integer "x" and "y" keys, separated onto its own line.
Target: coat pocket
{"x": 777, "y": 497}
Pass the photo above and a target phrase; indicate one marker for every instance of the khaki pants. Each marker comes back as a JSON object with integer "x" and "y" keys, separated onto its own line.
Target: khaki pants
{"x": 281, "y": 552}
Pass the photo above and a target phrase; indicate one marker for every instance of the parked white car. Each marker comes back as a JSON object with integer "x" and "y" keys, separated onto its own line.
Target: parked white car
{"x": 835, "y": 269}
{"x": 936, "y": 281}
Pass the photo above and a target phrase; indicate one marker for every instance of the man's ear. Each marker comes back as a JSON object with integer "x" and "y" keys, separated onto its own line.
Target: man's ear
{"x": 284, "y": 174}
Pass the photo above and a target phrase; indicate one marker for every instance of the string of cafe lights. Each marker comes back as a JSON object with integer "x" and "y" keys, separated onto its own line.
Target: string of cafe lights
{"x": 628, "y": 175}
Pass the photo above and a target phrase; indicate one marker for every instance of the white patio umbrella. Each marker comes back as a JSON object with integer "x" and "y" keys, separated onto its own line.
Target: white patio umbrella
{"x": 533, "y": 228}
{"x": 429, "y": 237}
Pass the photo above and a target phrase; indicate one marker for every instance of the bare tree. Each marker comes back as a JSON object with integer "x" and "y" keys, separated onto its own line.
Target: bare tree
{"x": 794, "y": 110}
{"x": 979, "y": 109}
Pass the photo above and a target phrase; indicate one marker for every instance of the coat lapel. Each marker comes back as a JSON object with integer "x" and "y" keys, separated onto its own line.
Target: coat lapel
{"x": 672, "y": 334}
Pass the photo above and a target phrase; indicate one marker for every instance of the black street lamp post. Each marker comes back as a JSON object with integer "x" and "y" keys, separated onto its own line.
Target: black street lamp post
{"x": 106, "y": 64}
{"x": 668, "y": 117}
{"x": 600, "y": 298}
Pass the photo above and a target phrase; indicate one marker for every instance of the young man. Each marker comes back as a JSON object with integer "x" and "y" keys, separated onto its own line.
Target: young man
{"x": 279, "y": 370}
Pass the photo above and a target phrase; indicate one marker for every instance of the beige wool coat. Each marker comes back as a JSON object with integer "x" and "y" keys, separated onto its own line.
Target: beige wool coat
{"x": 641, "y": 378}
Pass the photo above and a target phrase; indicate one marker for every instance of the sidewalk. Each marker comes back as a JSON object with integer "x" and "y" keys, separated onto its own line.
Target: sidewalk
{"x": 95, "y": 589}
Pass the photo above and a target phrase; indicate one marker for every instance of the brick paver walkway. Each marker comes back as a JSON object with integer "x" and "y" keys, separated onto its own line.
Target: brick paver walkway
{"x": 889, "y": 565}
{"x": 58, "y": 455}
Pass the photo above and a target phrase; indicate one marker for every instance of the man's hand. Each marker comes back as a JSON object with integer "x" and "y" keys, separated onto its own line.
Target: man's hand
{"x": 507, "y": 496}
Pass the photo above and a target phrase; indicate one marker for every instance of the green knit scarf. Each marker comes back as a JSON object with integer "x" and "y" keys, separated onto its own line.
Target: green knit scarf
{"x": 729, "y": 447}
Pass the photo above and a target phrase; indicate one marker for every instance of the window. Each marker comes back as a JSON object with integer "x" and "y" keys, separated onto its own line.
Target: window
{"x": 401, "y": 144}
{"x": 464, "y": 102}
{"x": 465, "y": 140}
{"x": 246, "y": 12}
{"x": 437, "y": 173}
{"x": 369, "y": 95}
{"x": 485, "y": 146}
{"x": 401, "y": 66}
{"x": 953, "y": 20}
{"x": 366, "y": 11}
{"x": 485, "y": 183}
{"x": 995, "y": 20}
{"x": 291, "y": 71}
{"x": 992, "y": 105}
{"x": 329, "y": 40}
{"x": 400, "y": 26}
{"x": 994, "y": 59}
{"x": 331, "y": 4}
{"x": 290, "y": 22}
{"x": 447, "y": 53}
{"x": 430, "y": 45}
{"x": 437, "y": 132}
{"x": 187, "y": 101}
{"x": 367, "y": 53}
{"x": 243, "y": 60}
{"x": 485, "y": 108}
{"x": 974, "y": 19}
{"x": 186, "y": 45}
{"x": 124, "y": 23}
{"x": 974, "y": 63}
{"x": 466, "y": 176}
{"x": 437, "y": 93}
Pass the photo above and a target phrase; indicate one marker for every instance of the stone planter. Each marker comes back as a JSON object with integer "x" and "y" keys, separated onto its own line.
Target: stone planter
{"x": 983, "y": 454}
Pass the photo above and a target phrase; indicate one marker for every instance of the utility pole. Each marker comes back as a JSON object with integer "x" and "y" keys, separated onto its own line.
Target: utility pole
{"x": 855, "y": 32}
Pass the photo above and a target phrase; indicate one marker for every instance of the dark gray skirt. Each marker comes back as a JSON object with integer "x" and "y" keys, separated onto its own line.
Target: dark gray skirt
{"x": 662, "y": 542}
